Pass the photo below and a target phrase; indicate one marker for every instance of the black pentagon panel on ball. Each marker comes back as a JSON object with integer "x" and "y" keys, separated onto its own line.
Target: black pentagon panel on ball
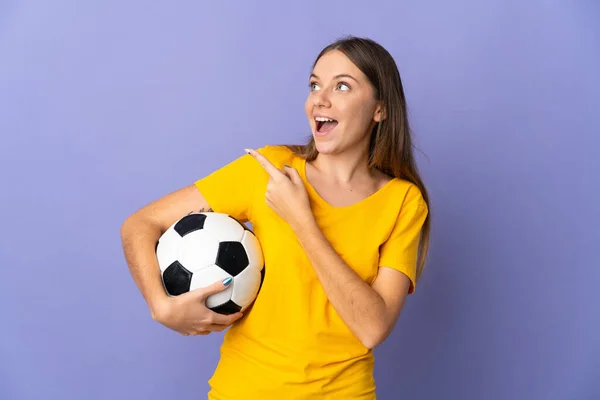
{"x": 227, "y": 308}
{"x": 177, "y": 279}
{"x": 232, "y": 257}
{"x": 190, "y": 223}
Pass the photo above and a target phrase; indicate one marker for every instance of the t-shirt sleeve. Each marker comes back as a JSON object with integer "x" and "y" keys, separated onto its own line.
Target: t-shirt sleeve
{"x": 400, "y": 250}
{"x": 230, "y": 189}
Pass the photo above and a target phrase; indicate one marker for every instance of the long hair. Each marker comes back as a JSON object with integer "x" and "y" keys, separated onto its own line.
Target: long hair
{"x": 390, "y": 146}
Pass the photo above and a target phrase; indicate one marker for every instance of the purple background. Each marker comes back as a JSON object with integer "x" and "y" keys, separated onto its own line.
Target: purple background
{"x": 105, "y": 106}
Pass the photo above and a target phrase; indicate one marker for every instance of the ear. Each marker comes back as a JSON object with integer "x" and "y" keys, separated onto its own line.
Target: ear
{"x": 380, "y": 113}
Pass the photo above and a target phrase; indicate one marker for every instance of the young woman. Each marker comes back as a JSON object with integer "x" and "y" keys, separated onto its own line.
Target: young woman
{"x": 344, "y": 226}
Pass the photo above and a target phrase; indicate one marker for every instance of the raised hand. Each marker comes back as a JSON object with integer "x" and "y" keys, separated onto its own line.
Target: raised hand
{"x": 286, "y": 193}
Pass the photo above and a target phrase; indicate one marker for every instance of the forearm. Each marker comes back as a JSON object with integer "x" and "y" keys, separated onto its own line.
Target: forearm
{"x": 358, "y": 304}
{"x": 139, "y": 238}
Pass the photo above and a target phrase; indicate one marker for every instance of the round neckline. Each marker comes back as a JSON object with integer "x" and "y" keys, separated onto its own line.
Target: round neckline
{"x": 322, "y": 201}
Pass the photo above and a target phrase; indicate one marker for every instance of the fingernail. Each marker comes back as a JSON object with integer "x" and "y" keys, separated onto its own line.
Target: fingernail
{"x": 227, "y": 281}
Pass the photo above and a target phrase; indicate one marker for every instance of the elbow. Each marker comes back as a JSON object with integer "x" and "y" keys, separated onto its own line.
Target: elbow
{"x": 129, "y": 225}
{"x": 372, "y": 342}
{"x": 125, "y": 226}
{"x": 374, "y": 336}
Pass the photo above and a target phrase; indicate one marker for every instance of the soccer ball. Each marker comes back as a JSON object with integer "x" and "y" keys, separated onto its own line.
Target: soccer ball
{"x": 202, "y": 248}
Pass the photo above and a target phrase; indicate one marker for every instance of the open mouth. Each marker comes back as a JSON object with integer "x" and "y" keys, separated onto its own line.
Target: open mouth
{"x": 324, "y": 124}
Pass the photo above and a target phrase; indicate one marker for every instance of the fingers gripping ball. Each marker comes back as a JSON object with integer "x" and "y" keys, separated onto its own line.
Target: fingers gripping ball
{"x": 202, "y": 248}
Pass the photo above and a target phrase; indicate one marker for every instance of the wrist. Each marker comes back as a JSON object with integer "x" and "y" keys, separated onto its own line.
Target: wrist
{"x": 307, "y": 226}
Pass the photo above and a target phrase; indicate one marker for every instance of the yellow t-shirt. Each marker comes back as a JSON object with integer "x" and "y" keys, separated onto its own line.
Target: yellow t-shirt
{"x": 292, "y": 344}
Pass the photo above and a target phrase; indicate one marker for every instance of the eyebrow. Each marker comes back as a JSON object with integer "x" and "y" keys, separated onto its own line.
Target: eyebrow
{"x": 337, "y": 77}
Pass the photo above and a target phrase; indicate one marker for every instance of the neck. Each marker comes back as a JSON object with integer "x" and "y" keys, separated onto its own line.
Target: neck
{"x": 344, "y": 168}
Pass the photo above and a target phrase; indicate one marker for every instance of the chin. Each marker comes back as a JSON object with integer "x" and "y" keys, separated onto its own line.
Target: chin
{"x": 326, "y": 147}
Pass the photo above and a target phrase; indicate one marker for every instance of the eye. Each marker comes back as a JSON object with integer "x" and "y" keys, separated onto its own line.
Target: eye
{"x": 313, "y": 85}
{"x": 343, "y": 86}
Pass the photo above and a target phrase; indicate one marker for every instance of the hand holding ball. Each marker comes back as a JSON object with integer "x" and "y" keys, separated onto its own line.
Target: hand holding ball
{"x": 202, "y": 252}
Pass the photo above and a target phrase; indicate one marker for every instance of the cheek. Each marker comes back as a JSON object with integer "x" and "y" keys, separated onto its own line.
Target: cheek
{"x": 308, "y": 109}
{"x": 366, "y": 113}
{"x": 360, "y": 113}
{"x": 357, "y": 106}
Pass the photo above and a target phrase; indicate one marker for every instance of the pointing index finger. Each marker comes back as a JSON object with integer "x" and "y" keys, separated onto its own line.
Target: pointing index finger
{"x": 264, "y": 162}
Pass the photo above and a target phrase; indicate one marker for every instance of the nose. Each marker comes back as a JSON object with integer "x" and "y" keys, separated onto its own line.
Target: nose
{"x": 321, "y": 99}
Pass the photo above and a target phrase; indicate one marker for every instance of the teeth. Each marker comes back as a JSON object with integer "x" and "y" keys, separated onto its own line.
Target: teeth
{"x": 323, "y": 119}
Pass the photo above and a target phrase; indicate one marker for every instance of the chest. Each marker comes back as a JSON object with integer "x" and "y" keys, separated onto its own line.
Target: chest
{"x": 356, "y": 238}
{"x": 355, "y": 235}
{"x": 339, "y": 196}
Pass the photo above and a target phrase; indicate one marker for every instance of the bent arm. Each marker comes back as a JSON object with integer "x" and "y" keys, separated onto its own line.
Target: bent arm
{"x": 370, "y": 312}
{"x": 142, "y": 229}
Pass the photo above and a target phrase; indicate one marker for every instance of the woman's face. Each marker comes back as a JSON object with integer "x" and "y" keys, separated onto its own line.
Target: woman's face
{"x": 339, "y": 91}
